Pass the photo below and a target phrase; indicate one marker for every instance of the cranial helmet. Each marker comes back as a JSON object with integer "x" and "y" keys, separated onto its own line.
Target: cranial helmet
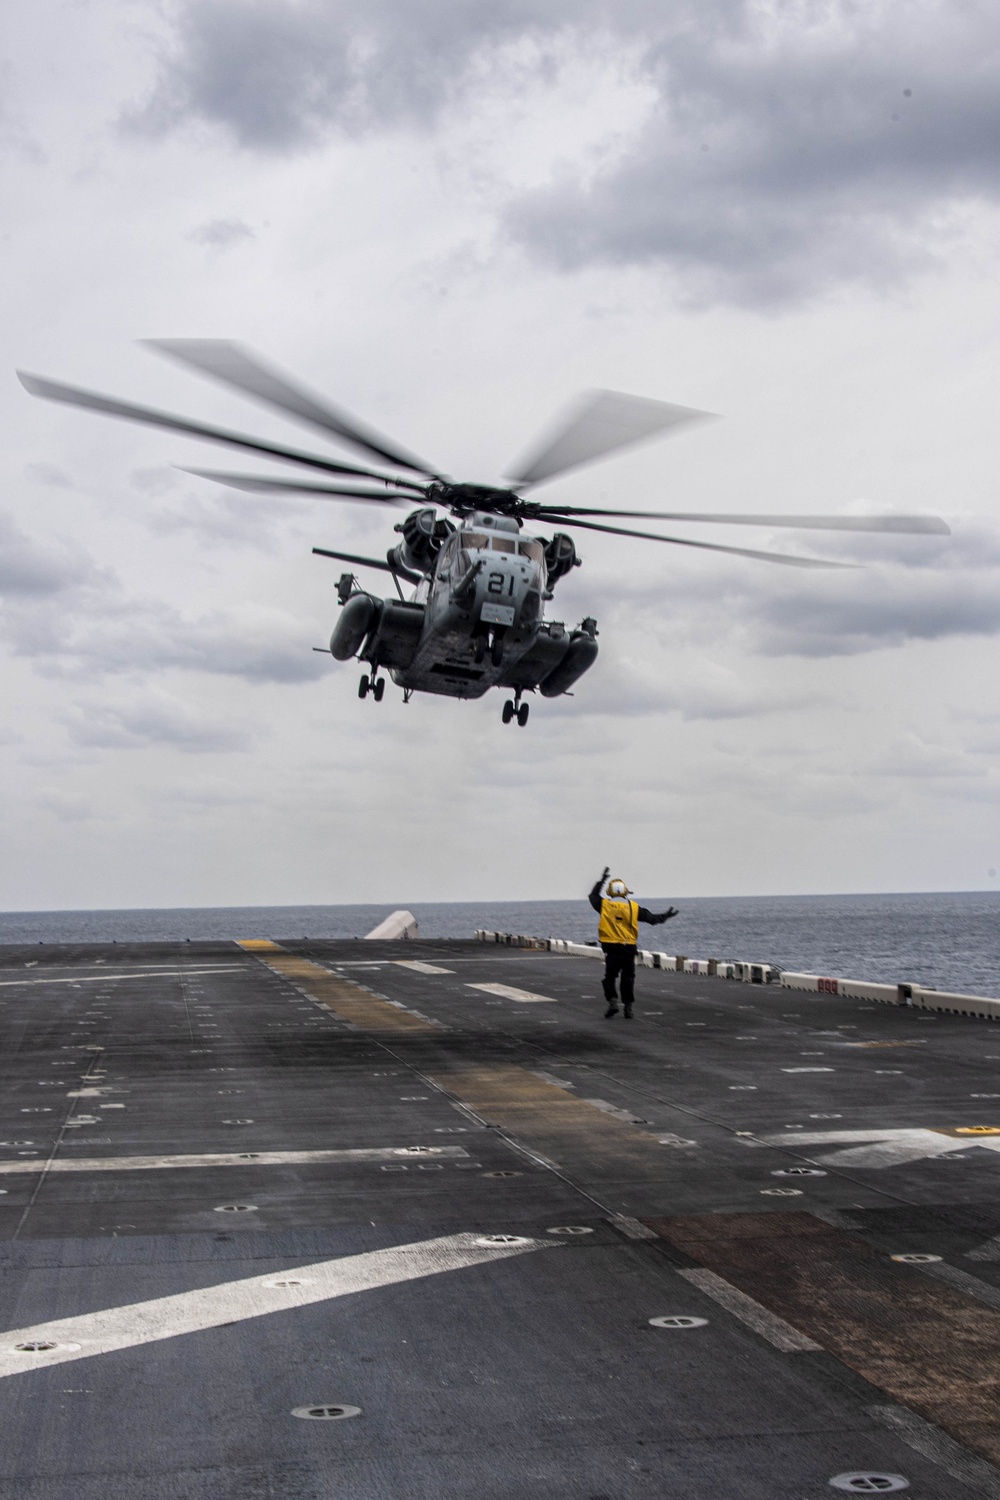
{"x": 618, "y": 888}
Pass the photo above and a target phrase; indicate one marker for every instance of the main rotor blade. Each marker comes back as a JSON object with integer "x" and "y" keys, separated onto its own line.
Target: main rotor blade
{"x": 255, "y": 485}
{"x": 600, "y": 422}
{"x": 917, "y": 525}
{"x": 109, "y": 406}
{"x": 234, "y": 366}
{"x": 650, "y": 536}
{"x": 362, "y": 562}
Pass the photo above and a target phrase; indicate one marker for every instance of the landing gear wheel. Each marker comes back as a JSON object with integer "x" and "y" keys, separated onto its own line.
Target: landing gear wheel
{"x": 496, "y": 649}
{"x": 378, "y": 690}
{"x": 363, "y": 687}
{"x": 522, "y": 714}
{"x": 480, "y": 652}
{"x": 508, "y": 712}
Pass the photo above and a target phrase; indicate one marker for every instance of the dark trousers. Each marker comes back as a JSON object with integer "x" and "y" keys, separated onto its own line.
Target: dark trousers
{"x": 619, "y": 959}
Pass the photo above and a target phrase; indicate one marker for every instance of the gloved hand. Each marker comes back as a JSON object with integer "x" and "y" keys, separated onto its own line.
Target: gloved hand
{"x": 607, "y": 872}
{"x": 666, "y": 915}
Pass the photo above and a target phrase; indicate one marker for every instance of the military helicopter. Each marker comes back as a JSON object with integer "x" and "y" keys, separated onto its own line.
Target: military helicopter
{"x": 476, "y": 616}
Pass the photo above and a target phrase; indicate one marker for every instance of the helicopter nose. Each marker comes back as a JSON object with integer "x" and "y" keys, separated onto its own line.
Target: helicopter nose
{"x": 501, "y": 590}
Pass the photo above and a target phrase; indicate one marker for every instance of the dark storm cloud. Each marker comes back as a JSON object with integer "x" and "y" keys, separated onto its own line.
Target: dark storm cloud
{"x": 788, "y": 150}
{"x": 278, "y": 75}
{"x": 793, "y": 152}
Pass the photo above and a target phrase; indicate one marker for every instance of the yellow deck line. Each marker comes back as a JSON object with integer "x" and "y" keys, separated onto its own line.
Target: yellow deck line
{"x": 345, "y": 998}
{"x": 549, "y": 1120}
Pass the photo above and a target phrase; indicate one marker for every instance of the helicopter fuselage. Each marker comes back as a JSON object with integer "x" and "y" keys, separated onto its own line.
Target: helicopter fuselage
{"x": 475, "y": 620}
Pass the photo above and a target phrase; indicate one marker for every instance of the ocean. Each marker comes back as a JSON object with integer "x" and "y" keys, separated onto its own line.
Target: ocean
{"x": 950, "y": 941}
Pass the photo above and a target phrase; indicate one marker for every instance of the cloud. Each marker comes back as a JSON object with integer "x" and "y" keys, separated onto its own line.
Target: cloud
{"x": 278, "y": 76}
{"x": 68, "y": 807}
{"x": 48, "y": 474}
{"x": 786, "y": 150}
{"x": 222, "y": 234}
{"x": 221, "y": 516}
{"x": 151, "y": 718}
{"x": 621, "y": 685}
{"x": 33, "y": 569}
{"x": 118, "y": 635}
{"x": 877, "y": 609}
{"x": 912, "y": 756}
{"x": 906, "y": 589}
{"x": 793, "y": 149}
{"x": 97, "y": 630}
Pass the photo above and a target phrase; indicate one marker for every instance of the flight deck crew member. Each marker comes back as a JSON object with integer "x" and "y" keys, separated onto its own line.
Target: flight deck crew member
{"x": 618, "y": 934}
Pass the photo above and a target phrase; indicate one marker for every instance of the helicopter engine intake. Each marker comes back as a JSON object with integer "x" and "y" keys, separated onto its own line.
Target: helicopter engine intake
{"x": 424, "y": 533}
{"x": 560, "y": 557}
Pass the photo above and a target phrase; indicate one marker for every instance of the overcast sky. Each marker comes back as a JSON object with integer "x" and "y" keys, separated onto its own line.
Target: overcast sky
{"x": 450, "y": 216}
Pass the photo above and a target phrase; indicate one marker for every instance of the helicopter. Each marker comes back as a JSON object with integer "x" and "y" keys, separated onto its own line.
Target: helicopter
{"x": 475, "y": 618}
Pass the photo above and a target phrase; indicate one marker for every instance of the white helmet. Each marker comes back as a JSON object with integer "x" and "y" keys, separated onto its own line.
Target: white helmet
{"x": 618, "y": 888}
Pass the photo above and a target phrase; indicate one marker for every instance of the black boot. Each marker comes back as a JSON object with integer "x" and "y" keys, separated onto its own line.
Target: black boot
{"x": 628, "y": 1012}
{"x": 612, "y": 1009}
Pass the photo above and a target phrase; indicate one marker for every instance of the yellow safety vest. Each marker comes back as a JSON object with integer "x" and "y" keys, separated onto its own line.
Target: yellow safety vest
{"x": 619, "y": 922}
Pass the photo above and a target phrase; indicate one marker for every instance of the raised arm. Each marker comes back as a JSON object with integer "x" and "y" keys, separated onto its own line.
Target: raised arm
{"x": 595, "y": 896}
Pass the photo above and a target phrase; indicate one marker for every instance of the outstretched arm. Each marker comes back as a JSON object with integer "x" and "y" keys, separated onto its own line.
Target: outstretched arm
{"x": 595, "y": 896}
{"x": 654, "y": 918}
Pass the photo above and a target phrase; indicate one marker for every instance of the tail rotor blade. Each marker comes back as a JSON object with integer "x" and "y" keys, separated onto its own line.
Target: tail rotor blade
{"x": 790, "y": 560}
{"x": 237, "y": 367}
{"x": 600, "y": 422}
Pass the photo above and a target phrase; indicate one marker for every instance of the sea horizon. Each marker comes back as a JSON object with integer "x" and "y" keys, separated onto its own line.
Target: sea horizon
{"x": 946, "y": 939}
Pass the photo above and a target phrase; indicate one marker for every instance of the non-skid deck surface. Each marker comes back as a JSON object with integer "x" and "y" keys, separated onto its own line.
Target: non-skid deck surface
{"x": 428, "y": 1186}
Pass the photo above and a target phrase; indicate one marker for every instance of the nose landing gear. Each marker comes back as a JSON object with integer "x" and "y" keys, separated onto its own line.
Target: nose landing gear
{"x": 515, "y": 709}
{"x": 491, "y": 641}
{"x": 496, "y": 646}
{"x": 374, "y": 685}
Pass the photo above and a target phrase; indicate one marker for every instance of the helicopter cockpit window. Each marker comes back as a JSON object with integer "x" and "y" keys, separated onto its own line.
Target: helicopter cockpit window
{"x": 504, "y": 544}
{"x": 474, "y": 541}
{"x": 447, "y": 554}
{"x": 534, "y": 550}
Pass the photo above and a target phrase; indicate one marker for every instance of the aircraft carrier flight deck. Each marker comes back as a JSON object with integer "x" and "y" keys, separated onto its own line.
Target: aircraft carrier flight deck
{"x": 413, "y": 1221}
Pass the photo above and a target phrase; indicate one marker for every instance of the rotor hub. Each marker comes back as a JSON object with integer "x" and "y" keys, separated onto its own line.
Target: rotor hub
{"x": 466, "y": 499}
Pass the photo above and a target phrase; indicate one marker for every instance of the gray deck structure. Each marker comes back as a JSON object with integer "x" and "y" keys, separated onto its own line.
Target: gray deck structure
{"x": 431, "y": 1182}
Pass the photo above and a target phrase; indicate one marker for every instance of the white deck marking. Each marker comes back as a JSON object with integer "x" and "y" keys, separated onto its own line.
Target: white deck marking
{"x": 989, "y": 1250}
{"x": 418, "y": 967}
{"x": 632, "y": 1228}
{"x": 137, "y": 1323}
{"x": 230, "y": 1159}
{"x": 887, "y": 1148}
{"x": 777, "y": 1332}
{"x": 930, "y": 1442}
{"x": 962, "y": 1282}
{"x": 508, "y": 992}
{"x": 105, "y": 976}
{"x": 89, "y": 968}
